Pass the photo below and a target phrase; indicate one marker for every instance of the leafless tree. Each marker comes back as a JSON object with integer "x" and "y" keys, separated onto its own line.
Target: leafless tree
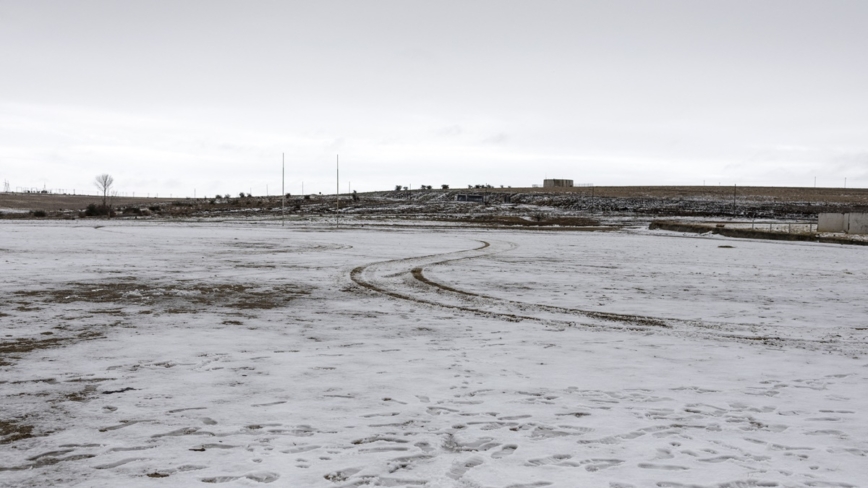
{"x": 104, "y": 182}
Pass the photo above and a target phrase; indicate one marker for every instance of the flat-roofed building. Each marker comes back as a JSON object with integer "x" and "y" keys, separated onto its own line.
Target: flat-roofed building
{"x": 557, "y": 183}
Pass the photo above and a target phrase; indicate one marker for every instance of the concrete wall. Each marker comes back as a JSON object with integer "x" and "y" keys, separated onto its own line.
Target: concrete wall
{"x": 857, "y": 223}
{"x": 851, "y": 223}
{"x": 557, "y": 183}
{"x": 830, "y": 222}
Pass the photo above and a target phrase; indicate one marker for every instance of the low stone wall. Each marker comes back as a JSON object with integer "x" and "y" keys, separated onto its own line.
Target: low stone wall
{"x": 858, "y": 223}
{"x": 748, "y": 233}
{"x": 851, "y": 223}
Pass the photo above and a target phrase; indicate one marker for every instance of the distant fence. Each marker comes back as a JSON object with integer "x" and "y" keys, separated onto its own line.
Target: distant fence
{"x": 44, "y": 191}
{"x": 35, "y": 191}
{"x": 775, "y": 227}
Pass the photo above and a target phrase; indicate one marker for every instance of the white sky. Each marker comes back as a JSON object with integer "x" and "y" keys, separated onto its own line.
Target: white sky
{"x": 172, "y": 96}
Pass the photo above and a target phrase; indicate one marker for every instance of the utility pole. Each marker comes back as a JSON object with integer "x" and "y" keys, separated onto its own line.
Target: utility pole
{"x": 337, "y": 188}
{"x": 283, "y": 188}
{"x": 733, "y": 200}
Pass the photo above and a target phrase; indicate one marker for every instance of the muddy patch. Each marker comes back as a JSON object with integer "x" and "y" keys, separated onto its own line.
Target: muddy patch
{"x": 13, "y": 349}
{"x": 177, "y": 297}
{"x": 14, "y": 430}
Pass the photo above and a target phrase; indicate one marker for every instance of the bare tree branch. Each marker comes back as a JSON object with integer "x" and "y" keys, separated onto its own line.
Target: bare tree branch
{"x": 104, "y": 183}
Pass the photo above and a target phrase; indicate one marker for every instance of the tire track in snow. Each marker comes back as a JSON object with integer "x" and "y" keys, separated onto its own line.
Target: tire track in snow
{"x": 488, "y": 306}
{"x": 358, "y": 276}
{"x": 418, "y": 274}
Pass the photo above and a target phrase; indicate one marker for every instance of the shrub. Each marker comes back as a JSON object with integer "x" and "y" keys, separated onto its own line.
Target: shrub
{"x": 39, "y": 213}
{"x": 445, "y": 187}
{"x": 94, "y": 210}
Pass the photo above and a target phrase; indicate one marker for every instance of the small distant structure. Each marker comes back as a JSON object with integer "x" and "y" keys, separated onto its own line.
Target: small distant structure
{"x": 557, "y": 183}
{"x": 470, "y": 197}
{"x": 850, "y": 223}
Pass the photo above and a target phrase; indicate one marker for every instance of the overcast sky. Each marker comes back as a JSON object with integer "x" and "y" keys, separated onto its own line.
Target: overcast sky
{"x": 172, "y": 96}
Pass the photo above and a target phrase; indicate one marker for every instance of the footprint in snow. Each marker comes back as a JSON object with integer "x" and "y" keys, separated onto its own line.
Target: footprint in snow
{"x": 665, "y": 467}
{"x": 258, "y": 476}
{"x": 504, "y": 451}
{"x": 459, "y": 469}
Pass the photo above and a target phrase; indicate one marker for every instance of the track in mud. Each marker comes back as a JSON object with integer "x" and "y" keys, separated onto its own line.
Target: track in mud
{"x": 405, "y": 279}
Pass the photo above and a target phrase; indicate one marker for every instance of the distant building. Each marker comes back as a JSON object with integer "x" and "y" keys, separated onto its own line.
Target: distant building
{"x": 851, "y": 223}
{"x": 557, "y": 183}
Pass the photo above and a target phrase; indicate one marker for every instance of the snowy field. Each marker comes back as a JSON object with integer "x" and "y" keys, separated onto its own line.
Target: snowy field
{"x": 175, "y": 354}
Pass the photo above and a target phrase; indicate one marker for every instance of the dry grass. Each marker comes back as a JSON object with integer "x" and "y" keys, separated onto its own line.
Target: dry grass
{"x": 37, "y": 201}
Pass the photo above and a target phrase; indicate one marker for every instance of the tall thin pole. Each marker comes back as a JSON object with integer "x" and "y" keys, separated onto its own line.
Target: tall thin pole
{"x": 283, "y": 188}
{"x": 733, "y": 200}
{"x": 337, "y": 187}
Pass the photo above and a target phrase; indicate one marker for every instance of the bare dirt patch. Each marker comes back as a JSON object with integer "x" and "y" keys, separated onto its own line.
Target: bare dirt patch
{"x": 176, "y": 297}
{"x": 14, "y": 348}
{"x": 14, "y": 430}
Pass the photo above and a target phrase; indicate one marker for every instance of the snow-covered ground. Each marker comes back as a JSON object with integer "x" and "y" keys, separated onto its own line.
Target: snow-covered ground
{"x": 174, "y": 354}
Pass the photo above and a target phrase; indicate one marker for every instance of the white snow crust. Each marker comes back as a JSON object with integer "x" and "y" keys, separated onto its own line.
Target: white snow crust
{"x": 247, "y": 354}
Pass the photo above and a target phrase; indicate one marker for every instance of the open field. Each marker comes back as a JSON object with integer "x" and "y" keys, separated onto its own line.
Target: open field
{"x": 153, "y": 353}
{"x": 52, "y": 202}
{"x": 503, "y": 203}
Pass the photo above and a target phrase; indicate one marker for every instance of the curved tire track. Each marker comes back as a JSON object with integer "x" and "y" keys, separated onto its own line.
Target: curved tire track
{"x": 357, "y": 276}
{"x": 413, "y": 274}
{"x": 419, "y": 275}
